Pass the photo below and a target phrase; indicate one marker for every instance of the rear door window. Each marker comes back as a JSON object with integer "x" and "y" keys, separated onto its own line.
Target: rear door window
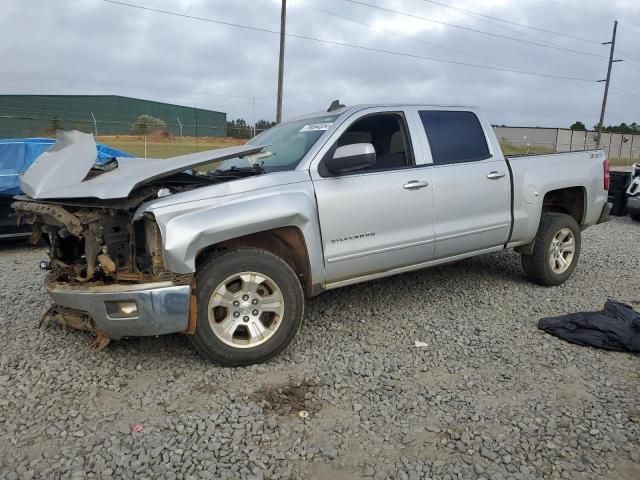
{"x": 454, "y": 137}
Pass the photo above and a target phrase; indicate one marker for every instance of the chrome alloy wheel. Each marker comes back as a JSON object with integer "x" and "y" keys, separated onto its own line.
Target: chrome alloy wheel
{"x": 246, "y": 309}
{"x": 561, "y": 251}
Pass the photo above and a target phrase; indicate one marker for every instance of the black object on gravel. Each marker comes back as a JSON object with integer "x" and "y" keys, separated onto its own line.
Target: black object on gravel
{"x": 616, "y": 327}
{"x": 617, "y": 192}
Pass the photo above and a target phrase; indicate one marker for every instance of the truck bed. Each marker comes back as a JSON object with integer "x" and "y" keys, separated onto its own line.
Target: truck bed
{"x": 549, "y": 154}
{"x": 533, "y": 176}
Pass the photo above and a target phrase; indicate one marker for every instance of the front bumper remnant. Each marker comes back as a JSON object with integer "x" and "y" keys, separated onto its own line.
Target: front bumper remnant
{"x": 118, "y": 311}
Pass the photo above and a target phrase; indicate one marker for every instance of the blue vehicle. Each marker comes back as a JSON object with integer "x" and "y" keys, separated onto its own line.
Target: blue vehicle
{"x": 16, "y": 155}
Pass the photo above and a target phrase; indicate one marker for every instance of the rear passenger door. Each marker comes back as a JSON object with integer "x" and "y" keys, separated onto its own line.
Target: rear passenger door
{"x": 471, "y": 187}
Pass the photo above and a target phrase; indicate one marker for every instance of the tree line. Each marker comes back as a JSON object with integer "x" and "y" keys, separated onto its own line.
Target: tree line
{"x": 239, "y": 128}
{"x": 622, "y": 128}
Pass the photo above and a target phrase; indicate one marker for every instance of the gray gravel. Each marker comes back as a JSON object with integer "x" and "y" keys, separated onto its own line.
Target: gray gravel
{"x": 490, "y": 396}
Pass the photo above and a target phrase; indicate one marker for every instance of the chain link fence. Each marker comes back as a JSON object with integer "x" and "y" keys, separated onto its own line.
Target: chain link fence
{"x": 621, "y": 148}
{"x": 166, "y": 139}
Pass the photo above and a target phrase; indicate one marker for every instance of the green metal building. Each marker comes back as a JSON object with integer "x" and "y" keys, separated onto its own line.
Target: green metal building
{"x": 41, "y": 115}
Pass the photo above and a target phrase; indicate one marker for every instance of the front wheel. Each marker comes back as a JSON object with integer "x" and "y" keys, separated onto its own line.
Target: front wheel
{"x": 555, "y": 252}
{"x": 250, "y": 306}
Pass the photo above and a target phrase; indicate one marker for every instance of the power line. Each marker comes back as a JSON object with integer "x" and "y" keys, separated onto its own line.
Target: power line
{"x": 630, "y": 64}
{"x": 539, "y": 29}
{"x": 637, "y": 32}
{"x": 193, "y": 17}
{"x": 625, "y": 92}
{"x": 591, "y": 14}
{"x": 630, "y": 58}
{"x": 516, "y": 31}
{"x": 359, "y": 47}
{"x": 410, "y": 37}
{"x": 593, "y": 85}
{"x": 504, "y": 37}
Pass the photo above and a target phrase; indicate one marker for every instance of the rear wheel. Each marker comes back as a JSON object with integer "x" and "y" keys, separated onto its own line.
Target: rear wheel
{"x": 635, "y": 216}
{"x": 556, "y": 250}
{"x": 250, "y": 306}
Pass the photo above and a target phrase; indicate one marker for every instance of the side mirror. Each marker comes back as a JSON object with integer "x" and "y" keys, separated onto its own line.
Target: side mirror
{"x": 350, "y": 158}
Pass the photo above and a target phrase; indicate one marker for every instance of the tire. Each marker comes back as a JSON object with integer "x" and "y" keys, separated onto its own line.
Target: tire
{"x": 635, "y": 216}
{"x": 537, "y": 266}
{"x": 235, "y": 335}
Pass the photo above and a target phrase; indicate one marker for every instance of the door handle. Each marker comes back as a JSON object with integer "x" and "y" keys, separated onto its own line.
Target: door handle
{"x": 495, "y": 175}
{"x": 415, "y": 184}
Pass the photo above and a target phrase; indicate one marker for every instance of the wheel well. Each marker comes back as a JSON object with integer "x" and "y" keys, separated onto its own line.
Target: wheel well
{"x": 285, "y": 242}
{"x": 566, "y": 200}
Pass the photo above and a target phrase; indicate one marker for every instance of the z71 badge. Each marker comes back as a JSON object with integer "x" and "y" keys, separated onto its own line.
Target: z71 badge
{"x": 355, "y": 236}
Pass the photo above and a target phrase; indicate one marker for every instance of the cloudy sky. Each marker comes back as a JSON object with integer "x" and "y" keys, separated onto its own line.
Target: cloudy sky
{"x": 95, "y": 47}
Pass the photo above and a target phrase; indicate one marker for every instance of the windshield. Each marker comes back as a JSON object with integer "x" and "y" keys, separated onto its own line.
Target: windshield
{"x": 287, "y": 143}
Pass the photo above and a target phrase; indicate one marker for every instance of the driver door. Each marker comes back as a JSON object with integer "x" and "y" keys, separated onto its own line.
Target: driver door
{"x": 380, "y": 218}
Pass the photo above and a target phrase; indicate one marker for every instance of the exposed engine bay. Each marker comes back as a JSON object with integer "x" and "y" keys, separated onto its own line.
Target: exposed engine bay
{"x": 85, "y": 211}
{"x": 97, "y": 241}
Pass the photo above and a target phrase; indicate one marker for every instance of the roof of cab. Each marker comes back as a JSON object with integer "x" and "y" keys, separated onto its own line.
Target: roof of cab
{"x": 347, "y": 108}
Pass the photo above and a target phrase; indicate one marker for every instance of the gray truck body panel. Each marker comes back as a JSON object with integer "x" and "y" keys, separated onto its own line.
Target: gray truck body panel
{"x": 192, "y": 221}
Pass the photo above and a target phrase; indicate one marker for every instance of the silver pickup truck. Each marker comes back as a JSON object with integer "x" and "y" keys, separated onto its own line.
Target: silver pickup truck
{"x": 225, "y": 245}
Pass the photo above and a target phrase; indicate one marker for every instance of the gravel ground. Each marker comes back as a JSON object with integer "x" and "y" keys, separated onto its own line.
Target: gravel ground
{"x": 489, "y": 397}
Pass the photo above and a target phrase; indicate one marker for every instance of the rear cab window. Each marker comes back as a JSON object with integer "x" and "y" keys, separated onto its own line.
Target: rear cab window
{"x": 454, "y": 136}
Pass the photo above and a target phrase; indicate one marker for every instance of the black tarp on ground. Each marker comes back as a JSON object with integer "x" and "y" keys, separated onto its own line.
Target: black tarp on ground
{"x": 616, "y": 327}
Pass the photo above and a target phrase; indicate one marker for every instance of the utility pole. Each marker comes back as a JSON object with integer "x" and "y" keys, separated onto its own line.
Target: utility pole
{"x": 283, "y": 18}
{"x": 253, "y": 115}
{"x": 180, "y": 125}
{"x": 95, "y": 124}
{"x": 607, "y": 81}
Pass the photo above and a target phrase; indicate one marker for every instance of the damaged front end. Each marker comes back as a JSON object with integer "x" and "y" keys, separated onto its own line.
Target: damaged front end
{"x": 107, "y": 273}
{"x": 96, "y": 245}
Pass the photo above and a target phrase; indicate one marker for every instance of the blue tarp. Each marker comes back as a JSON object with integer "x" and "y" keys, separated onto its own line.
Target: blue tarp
{"x": 16, "y": 155}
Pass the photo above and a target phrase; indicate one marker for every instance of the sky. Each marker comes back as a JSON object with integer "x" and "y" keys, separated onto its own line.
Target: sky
{"x": 96, "y": 47}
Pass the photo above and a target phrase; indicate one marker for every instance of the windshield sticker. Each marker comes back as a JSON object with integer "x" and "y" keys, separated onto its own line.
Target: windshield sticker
{"x": 314, "y": 127}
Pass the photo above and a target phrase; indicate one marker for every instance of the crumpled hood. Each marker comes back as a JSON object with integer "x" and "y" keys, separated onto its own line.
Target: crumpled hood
{"x": 61, "y": 171}
{"x": 227, "y": 192}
